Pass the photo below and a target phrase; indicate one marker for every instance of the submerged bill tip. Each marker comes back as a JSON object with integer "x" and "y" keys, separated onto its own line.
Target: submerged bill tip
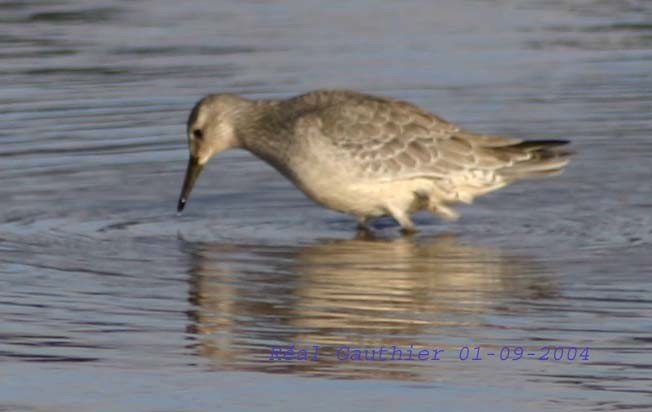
{"x": 181, "y": 205}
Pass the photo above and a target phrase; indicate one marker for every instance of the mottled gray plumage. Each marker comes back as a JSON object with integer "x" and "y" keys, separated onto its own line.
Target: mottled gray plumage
{"x": 366, "y": 155}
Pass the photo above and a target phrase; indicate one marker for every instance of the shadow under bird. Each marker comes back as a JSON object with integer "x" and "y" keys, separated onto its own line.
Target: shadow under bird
{"x": 365, "y": 155}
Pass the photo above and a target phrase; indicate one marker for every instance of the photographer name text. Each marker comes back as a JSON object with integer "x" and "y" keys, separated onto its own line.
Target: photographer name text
{"x": 293, "y": 353}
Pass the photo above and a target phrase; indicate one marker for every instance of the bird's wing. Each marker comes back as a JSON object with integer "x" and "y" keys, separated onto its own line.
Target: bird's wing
{"x": 392, "y": 140}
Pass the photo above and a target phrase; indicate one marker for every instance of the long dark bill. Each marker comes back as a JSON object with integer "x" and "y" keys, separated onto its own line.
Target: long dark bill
{"x": 193, "y": 170}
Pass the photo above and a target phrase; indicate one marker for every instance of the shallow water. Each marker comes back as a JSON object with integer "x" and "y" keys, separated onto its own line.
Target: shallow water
{"x": 109, "y": 301}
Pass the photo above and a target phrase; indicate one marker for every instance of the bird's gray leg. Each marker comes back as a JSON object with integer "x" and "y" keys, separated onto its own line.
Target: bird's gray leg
{"x": 444, "y": 212}
{"x": 363, "y": 223}
{"x": 403, "y": 219}
{"x": 363, "y": 231}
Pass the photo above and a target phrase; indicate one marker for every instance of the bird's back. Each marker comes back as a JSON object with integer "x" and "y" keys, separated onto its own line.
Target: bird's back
{"x": 391, "y": 139}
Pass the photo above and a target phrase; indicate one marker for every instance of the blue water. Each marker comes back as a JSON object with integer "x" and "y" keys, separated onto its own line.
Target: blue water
{"x": 111, "y": 302}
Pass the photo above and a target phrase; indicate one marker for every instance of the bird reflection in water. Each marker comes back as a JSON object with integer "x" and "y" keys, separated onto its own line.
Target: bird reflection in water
{"x": 361, "y": 293}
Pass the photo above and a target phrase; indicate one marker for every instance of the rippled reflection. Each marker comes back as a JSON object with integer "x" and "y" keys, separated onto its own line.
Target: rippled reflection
{"x": 358, "y": 293}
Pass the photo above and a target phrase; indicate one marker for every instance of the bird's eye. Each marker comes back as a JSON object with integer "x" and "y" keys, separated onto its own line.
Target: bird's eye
{"x": 198, "y": 134}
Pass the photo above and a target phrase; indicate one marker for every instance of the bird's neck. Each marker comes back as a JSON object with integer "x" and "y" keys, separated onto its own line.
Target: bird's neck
{"x": 261, "y": 129}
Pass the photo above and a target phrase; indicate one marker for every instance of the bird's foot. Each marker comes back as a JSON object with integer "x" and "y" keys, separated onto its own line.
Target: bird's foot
{"x": 364, "y": 233}
{"x": 409, "y": 230}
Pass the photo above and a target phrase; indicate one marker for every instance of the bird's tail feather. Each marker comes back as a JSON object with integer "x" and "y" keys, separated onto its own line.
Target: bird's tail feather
{"x": 536, "y": 158}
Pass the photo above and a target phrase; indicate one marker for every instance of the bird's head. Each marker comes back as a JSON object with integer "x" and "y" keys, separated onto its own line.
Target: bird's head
{"x": 211, "y": 130}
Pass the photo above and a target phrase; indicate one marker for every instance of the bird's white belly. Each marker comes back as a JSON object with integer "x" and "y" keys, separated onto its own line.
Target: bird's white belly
{"x": 332, "y": 182}
{"x": 364, "y": 198}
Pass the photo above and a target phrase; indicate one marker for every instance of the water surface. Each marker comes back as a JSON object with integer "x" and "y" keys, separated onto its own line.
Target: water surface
{"x": 109, "y": 301}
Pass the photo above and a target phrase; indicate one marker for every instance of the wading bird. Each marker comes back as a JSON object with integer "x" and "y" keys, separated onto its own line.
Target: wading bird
{"x": 365, "y": 155}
